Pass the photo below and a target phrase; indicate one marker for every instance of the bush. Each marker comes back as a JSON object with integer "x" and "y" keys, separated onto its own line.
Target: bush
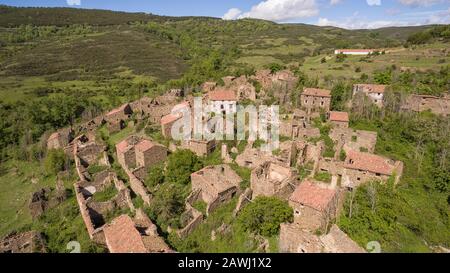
{"x": 55, "y": 161}
{"x": 180, "y": 166}
{"x": 155, "y": 176}
{"x": 264, "y": 216}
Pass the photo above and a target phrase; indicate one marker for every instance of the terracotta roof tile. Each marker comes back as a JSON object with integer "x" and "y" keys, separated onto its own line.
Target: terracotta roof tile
{"x": 222, "y": 95}
{"x": 122, "y": 146}
{"x": 144, "y": 145}
{"x": 123, "y": 237}
{"x": 317, "y": 92}
{"x": 373, "y": 88}
{"x": 169, "y": 118}
{"x": 339, "y": 116}
{"x": 310, "y": 194}
{"x": 368, "y": 162}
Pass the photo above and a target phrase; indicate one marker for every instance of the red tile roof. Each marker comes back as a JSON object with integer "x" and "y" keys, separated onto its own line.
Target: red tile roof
{"x": 339, "y": 116}
{"x": 373, "y": 88}
{"x": 122, "y": 146}
{"x": 169, "y": 118}
{"x": 310, "y": 194}
{"x": 181, "y": 106}
{"x": 144, "y": 145}
{"x": 317, "y": 92}
{"x": 222, "y": 95}
{"x": 368, "y": 162}
{"x": 123, "y": 237}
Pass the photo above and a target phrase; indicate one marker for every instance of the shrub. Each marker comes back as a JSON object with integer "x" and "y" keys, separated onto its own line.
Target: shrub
{"x": 55, "y": 161}
{"x": 264, "y": 216}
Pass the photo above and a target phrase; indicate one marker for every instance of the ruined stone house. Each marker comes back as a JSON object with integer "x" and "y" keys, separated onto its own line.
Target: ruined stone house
{"x": 177, "y": 113}
{"x": 314, "y": 205}
{"x": 296, "y": 240}
{"x": 60, "y": 139}
{"x": 374, "y": 91}
{"x": 199, "y": 147}
{"x": 217, "y": 184}
{"x": 116, "y": 118}
{"x": 314, "y": 99}
{"x": 138, "y": 235}
{"x": 356, "y": 140}
{"x": 137, "y": 153}
{"x": 420, "y": 103}
{"x": 364, "y": 167}
{"x": 149, "y": 153}
{"x": 26, "y": 242}
{"x": 222, "y": 101}
{"x": 271, "y": 179}
{"x": 339, "y": 119}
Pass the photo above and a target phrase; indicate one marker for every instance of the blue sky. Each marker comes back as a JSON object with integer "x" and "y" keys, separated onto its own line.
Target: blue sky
{"x": 342, "y": 13}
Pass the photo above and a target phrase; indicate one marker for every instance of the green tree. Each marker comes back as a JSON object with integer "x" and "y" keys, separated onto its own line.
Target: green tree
{"x": 168, "y": 205}
{"x": 180, "y": 165}
{"x": 155, "y": 176}
{"x": 55, "y": 161}
{"x": 264, "y": 215}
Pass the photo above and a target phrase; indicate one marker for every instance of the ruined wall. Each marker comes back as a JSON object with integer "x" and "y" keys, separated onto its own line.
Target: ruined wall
{"x": 154, "y": 155}
{"x": 127, "y": 158}
{"x": 295, "y": 240}
{"x": 197, "y": 219}
{"x": 223, "y": 197}
{"x": 315, "y": 103}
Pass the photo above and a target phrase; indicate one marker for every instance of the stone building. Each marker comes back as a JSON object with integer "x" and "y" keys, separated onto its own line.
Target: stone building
{"x": 339, "y": 119}
{"x": 126, "y": 154}
{"x": 374, "y": 91}
{"x": 356, "y": 140}
{"x": 364, "y": 167}
{"x": 116, "y": 118}
{"x": 138, "y": 235}
{"x": 200, "y": 147}
{"x": 149, "y": 153}
{"x": 135, "y": 152}
{"x": 293, "y": 239}
{"x": 315, "y": 99}
{"x": 167, "y": 122}
{"x": 271, "y": 179}
{"x": 60, "y": 139}
{"x": 420, "y": 103}
{"x": 217, "y": 184}
{"x": 222, "y": 101}
{"x": 314, "y": 205}
{"x": 27, "y": 242}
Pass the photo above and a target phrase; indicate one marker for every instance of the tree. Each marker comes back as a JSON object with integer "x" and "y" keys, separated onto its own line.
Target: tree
{"x": 339, "y": 95}
{"x": 180, "y": 165}
{"x": 155, "y": 176}
{"x": 168, "y": 204}
{"x": 55, "y": 161}
{"x": 340, "y": 58}
{"x": 264, "y": 215}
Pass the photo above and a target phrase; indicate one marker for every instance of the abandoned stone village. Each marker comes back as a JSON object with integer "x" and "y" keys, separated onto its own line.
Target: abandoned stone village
{"x": 316, "y": 198}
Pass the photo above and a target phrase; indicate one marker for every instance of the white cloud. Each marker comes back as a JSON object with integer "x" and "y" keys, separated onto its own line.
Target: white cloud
{"x": 232, "y": 14}
{"x": 374, "y": 2}
{"x": 73, "y": 2}
{"x": 280, "y": 10}
{"x": 335, "y": 2}
{"x": 421, "y": 3}
{"x": 356, "y": 22}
